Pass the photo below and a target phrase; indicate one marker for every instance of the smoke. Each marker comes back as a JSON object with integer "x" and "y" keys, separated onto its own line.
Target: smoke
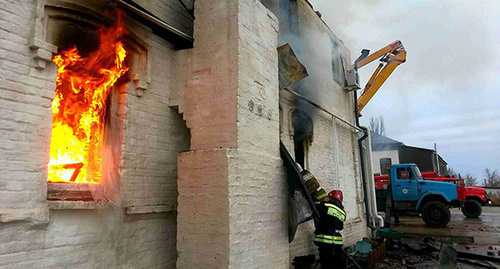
{"x": 382, "y": 143}
{"x": 114, "y": 126}
{"x": 109, "y": 188}
{"x": 323, "y": 55}
{"x": 302, "y": 125}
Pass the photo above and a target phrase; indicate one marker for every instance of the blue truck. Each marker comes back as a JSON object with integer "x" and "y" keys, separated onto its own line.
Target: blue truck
{"x": 407, "y": 191}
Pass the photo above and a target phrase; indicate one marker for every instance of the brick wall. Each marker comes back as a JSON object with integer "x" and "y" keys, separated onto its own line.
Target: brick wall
{"x": 203, "y": 227}
{"x": 333, "y": 159}
{"x": 31, "y": 236}
{"x": 228, "y": 216}
{"x": 235, "y": 63}
{"x": 333, "y": 155}
{"x": 153, "y": 136}
{"x": 90, "y": 239}
{"x": 25, "y": 118}
{"x": 258, "y": 219}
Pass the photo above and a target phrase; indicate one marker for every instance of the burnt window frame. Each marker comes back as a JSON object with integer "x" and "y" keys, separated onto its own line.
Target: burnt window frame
{"x": 63, "y": 195}
{"x": 303, "y": 143}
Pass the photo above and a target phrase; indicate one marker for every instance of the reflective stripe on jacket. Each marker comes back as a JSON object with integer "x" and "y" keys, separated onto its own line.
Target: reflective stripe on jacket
{"x": 336, "y": 211}
{"x": 321, "y": 196}
{"x": 331, "y": 221}
{"x": 329, "y": 239}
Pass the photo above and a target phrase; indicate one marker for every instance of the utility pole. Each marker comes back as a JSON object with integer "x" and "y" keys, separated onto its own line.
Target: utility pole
{"x": 437, "y": 159}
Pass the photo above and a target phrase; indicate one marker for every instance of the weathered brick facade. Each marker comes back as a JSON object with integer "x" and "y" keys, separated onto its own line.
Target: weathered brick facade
{"x": 196, "y": 180}
{"x": 332, "y": 152}
{"x": 31, "y": 235}
{"x": 231, "y": 183}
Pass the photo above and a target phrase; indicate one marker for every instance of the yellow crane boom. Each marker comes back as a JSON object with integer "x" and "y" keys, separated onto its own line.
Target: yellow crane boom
{"x": 392, "y": 55}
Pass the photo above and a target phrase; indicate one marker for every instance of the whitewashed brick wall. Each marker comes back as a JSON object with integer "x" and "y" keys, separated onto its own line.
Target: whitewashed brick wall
{"x": 25, "y": 119}
{"x": 258, "y": 190}
{"x": 234, "y": 216}
{"x": 31, "y": 236}
{"x": 333, "y": 160}
{"x": 86, "y": 239}
{"x": 154, "y": 135}
{"x": 333, "y": 156}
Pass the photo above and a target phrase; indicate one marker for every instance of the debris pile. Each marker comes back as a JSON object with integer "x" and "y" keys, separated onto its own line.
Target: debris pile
{"x": 387, "y": 252}
{"x": 392, "y": 249}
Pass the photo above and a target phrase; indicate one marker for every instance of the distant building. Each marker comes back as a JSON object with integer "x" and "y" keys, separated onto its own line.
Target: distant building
{"x": 387, "y": 151}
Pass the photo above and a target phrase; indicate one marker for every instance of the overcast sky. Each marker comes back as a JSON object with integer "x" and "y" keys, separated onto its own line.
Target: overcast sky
{"x": 448, "y": 91}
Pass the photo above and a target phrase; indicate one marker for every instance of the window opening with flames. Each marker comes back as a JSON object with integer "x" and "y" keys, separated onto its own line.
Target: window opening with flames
{"x": 79, "y": 107}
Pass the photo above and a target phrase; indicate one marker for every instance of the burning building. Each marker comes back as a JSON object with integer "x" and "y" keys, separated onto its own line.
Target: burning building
{"x": 317, "y": 123}
{"x": 82, "y": 87}
{"x": 146, "y": 133}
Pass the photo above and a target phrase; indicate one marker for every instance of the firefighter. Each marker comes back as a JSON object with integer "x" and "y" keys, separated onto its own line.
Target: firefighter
{"x": 328, "y": 227}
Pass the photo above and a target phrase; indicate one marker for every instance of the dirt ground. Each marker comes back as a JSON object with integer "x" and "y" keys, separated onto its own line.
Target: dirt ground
{"x": 461, "y": 230}
{"x": 476, "y": 236}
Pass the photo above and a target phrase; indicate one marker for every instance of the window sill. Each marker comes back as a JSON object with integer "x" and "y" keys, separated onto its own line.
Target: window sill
{"x": 70, "y": 196}
{"x": 68, "y": 192}
{"x": 72, "y": 205}
{"x": 150, "y": 209}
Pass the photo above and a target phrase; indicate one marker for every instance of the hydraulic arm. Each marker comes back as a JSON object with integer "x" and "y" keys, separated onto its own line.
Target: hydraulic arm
{"x": 392, "y": 55}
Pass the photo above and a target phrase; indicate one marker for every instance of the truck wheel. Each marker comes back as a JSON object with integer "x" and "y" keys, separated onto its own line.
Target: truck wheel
{"x": 472, "y": 209}
{"x": 436, "y": 214}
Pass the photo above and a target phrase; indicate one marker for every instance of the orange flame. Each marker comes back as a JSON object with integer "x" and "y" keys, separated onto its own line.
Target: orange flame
{"x": 82, "y": 86}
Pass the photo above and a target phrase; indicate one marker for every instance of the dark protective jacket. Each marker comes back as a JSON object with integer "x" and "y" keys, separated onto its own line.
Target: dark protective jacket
{"x": 331, "y": 221}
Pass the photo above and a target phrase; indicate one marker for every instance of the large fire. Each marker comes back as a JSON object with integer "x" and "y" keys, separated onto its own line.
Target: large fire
{"x": 83, "y": 84}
